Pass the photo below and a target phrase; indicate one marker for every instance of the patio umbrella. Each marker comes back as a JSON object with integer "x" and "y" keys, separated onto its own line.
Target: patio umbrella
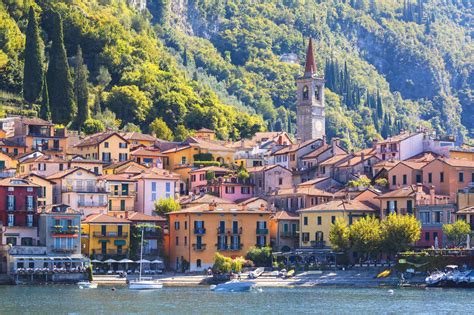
{"x": 96, "y": 261}
{"x": 126, "y": 261}
{"x": 156, "y": 261}
{"x": 436, "y": 243}
{"x": 143, "y": 261}
{"x": 468, "y": 241}
{"x": 110, "y": 261}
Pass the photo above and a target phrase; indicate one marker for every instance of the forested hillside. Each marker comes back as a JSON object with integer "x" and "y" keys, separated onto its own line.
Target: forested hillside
{"x": 226, "y": 65}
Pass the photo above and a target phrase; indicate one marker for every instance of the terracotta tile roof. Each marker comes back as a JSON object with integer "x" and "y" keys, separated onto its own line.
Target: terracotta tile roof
{"x": 64, "y": 173}
{"x": 156, "y": 173}
{"x": 104, "y": 218}
{"x": 221, "y": 208}
{"x": 38, "y": 176}
{"x": 252, "y": 202}
{"x": 414, "y": 165}
{"x": 143, "y": 151}
{"x": 212, "y": 169}
{"x": 60, "y": 208}
{"x": 459, "y": 162}
{"x": 335, "y": 159}
{"x": 398, "y": 138}
{"x": 265, "y": 168}
{"x": 116, "y": 178}
{"x": 466, "y": 210}
{"x": 285, "y": 215}
{"x": 35, "y": 121}
{"x": 206, "y": 130}
{"x": 357, "y": 159}
{"x": 9, "y": 143}
{"x": 209, "y": 145}
{"x": 176, "y": 149}
{"x": 317, "y": 152}
{"x": 313, "y": 181}
{"x": 137, "y": 136}
{"x": 294, "y": 147}
{"x": 97, "y": 138}
{"x": 119, "y": 164}
{"x": 402, "y": 192}
{"x": 205, "y": 199}
{"x": 387, "y": 164}
{"x": 141, "y": 217}
{"x": 17, "y": 182}
{"x": 45, "y": 159}
{"x": 423, "y": 157}
{"x": 310, "y": 191}
{"x": 341, "y": 205}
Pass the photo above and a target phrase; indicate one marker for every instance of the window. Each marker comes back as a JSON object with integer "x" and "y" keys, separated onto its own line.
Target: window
{"x": 198, "y": 263}
{"x": 404, "y": 179}
{"x": 319, "y": 220}
{"x": 122, "y": 205}
{"x": 425, "y": 217}
{"x": 193, "y": 178}
{"x": 435, "y": 235}
{"x": 106, "y": 157}
{"x": 11, "y": 220}
{"x": 153, "y": 191}
{"x": 245, "y": 190}
{"x": 123, "y": 157}
{"x": 168, "y": 190}
{"x": 29, "y": 220}
{"x": 438, "y": 217}
{"x": 305, "y": 237}
{"x": 461, "y": 177}
{"x": 177, "y": 240}
{"x": 122, "y": 145}
{"x": 427, "y": 236}
{"x": 106, "y": 144}
{"x": 11, "y": 240}
{"x": 176, "y": 225}
{"x": 305, "y": 220}
{"x": 29, "y": 203}
{"x": 183, "y": 160}
{"x": 11, "y": 202}
{"x": 394, "y": 180}
{"x": 410, "y": 206}
{"x": 333, "y": 219}
{"x": 280, "y": 181}
{"x": 441, "y": 177}
{"x": 430, "y": 177}
{"x": 185, "y": 241}
{"x": 418, "y": 178}
{"x": 305, "y": 92}
{"x": 230, "y": 190}
{"x": 61, "y": 166}
{"x": 185, "y": 225}
{"x": 260, "y": 183}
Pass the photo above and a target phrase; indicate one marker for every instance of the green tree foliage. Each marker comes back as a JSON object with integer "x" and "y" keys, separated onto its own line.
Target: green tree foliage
{"x": 60, "y": 86}
{"x": 365, "y": 235}
{"x": 161, "y": 130}
{"x": 223, "y": 264}
{"x": 242, "y": 173}
{"x": 108, "y": 119}
{"x": 129, "y": 103}
{"x": 399, "y": 232}
{"x": 164, "y": 206}
{"x": 130, "y": 127}
{"x": 45, "y": 112}
{"x": 361, "y": 182}
{"x": 339, "y": 235}
{"x": 92, "y": 126}
{"x": 33, "y": 68}
{"x": 456, "y": 233}
{"x": 81, "y": 90}
{"x": 181, "y": 133}
{"x": 260, "y": 256}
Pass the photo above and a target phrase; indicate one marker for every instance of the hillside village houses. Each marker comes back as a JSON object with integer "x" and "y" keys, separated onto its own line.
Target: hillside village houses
{"x": 69, "y": 196}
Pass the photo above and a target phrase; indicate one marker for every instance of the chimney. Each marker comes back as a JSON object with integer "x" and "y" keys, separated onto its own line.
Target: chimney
{"x": 262, "y": 207}
{"x": 362, "y": 156}
{"x": 324, "y": 139}
{"x": 419, "y": 188}
{"x": 432, "y": 195}
{"x": 374, "y": 143}
{"x": 335, "y": 141}
{"x": 212, "y": 206}
{"x": 126, "y": 215}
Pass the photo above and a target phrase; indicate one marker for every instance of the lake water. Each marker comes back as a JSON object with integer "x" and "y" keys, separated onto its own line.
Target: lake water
{"x": 56, "y": 299}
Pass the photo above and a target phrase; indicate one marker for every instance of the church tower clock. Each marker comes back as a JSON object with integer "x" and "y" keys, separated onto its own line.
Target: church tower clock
{"x": 310, "y": 116}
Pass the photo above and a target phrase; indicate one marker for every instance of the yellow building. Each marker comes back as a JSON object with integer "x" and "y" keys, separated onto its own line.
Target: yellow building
{"x": 121, "y": 193}
{"x": 105, "y": 235}
{"x": 126, "y": 167}
{"x": 465, "y": 152}
{"x": 137, "y": 138}
{"x": 45, "y": 196}
{"x": 7, "y": 162}
{"x": 315, "y": 222}
{"x": 185, "y": 153}
{"x": 105, "y": 146}
{"x": 197, "y": 233}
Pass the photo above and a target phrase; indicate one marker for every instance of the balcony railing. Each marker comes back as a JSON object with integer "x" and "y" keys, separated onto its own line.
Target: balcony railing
{"x": 65, "y": 231}
{"x": 262, "y": 231}
{"x": 288, "y": 234}
{"x": 91, "y": 204}
{"x": 199, "y": 231}
{"x": 122, "y": 194}
{"x": 63, "y": 250}
{"x": 199, "y": 247}
{"x": 231, "y": 231}
{"x": 111, "y": 234}
{"x": 27, "y": 208}
{"x": 88, "y": 189}
{"x": 130, "y": 208}
{"x": 318, "y": 244}
{"x": 231, "y": 247}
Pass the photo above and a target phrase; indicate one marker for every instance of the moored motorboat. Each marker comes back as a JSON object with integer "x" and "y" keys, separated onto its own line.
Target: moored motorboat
{"x": 234, "y": 286}
{"x": 87, "y": 285}
{"x": 145, "y": 284}
{"x": 256, "y": 273}
{"x": 435, "y": 279}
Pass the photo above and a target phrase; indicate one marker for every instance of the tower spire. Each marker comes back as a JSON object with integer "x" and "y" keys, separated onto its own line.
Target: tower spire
{"x": 310, "y": 66}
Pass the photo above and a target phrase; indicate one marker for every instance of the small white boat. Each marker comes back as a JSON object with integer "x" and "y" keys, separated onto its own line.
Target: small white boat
{"x": 435, "y": 278}
{"x": 256, "y": 273}
{"x": 144, "y": 283}
{"x": 87, "y": 285}
{"x": 234, "y": 286}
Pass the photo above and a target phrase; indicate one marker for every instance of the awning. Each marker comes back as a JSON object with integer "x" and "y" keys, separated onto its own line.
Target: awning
{"x": 120, "y": 242}
{"x": 110, "y": 261}
{"x": 104, "y": 241}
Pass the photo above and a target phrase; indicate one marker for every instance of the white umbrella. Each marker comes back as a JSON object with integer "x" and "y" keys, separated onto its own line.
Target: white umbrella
{"x": 436, "y": 243}
{"x": 126, "y": 261}
{"x": 468, "y": 241}
{"x": 143, "y": 261}
{"x": 96, "y": 261}
{"x": 109, "y": 261}
{"x": 156, "y": 261}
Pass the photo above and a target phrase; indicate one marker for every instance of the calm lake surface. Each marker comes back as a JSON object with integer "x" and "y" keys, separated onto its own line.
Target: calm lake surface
{"x": 71, "y": 300}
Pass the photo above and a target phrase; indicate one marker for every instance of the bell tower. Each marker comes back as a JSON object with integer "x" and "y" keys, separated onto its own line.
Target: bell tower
{"x": 310, "y": 116}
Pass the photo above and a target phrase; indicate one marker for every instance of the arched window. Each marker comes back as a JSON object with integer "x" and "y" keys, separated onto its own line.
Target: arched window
{"x": 305, "y": 92}
{"x": 316, "y": 93}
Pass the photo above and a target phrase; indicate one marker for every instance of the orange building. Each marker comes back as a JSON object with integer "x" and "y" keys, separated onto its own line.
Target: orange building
{"x": 198, "y": 232}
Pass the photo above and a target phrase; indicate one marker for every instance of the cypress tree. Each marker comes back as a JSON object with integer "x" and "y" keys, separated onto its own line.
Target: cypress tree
{"x": 80, "y": 90}
{"x": 60, "y": 86}
{"x": 97, "y": 109}
{"x": 379, "y": 105}
{"x": 45, "y": 112}
{"x": 33, "y": 68}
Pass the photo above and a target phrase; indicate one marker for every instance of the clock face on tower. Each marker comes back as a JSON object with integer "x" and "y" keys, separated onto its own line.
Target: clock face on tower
{"x": 319, "y": 125}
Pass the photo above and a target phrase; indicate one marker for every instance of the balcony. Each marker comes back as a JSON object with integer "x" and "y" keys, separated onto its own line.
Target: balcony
{"x": 12, "y": 208}
{"x": 199, "y": 247}
{"x": 231, "y": 247}
{"x": 262, "y": 231}
{"x": 111, "y": 234}
{"x": 199, "y": 231}
{"x": 64, "y": 250}
{"x": 91, "y": 204}
{"x": 71, "y": 230}
{"x": 81, "y": 189}
{"x": 232, "y": 231}
{"x": 129, "y": 208}
{"x": 318, "y": 244}
{"x": 288, "y": 234}
{"x": 122, "y": 194}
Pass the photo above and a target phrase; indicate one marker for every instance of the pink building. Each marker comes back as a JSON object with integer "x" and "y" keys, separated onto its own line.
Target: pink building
{"x": 231, "y": 188}
{"x": 400, "y": 147}
{"x": 198, "y": 177}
